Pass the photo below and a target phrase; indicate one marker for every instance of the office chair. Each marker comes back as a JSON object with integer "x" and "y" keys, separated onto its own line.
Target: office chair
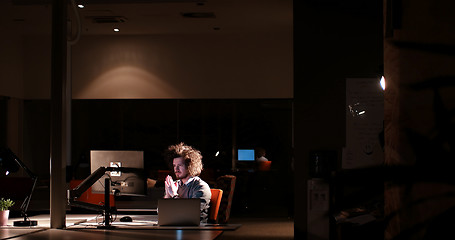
{"x": 215, "y": 201}
{"x": 227, "y": 184}
{"x": 264, "y": 166}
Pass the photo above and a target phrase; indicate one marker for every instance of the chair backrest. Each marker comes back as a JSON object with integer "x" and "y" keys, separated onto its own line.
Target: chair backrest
{"x": 227, "y": 184}
{"x": 89, "y": 197}
{"x": 264, "y": 165}
{"x": 215, "y": 201}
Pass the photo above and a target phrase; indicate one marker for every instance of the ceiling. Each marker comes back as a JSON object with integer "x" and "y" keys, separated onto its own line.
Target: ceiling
{"x": 150, "y": 17}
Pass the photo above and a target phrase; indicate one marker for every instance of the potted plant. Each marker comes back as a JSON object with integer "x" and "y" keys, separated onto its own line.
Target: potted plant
{"x": 5, "y": 204}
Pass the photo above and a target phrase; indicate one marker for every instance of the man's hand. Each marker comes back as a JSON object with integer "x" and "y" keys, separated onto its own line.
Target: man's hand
{"x": 170, "y": 187}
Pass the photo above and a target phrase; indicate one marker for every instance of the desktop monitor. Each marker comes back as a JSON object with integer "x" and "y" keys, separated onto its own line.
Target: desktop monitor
{"x": 245, "y": 154}
{"x": 124, "y": 183}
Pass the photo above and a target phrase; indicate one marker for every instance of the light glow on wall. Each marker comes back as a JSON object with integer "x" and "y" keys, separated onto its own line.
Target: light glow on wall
{"x": 193, "y": 68}
{"x": 127, "y": 82}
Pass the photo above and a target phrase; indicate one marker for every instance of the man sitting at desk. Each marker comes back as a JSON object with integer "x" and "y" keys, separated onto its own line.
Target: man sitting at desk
{"x": 187, "y": 165}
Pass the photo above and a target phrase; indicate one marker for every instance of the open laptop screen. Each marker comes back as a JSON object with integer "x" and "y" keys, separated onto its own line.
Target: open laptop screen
{"x": 179, "y": 212}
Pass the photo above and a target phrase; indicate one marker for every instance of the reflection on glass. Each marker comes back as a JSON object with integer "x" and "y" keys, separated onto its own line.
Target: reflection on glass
{"x": 357, "y": 109}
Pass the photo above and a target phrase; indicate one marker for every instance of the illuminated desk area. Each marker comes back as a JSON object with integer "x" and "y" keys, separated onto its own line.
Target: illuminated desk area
{"x": 144, "y": 224}
{"x": 84, "y": 226}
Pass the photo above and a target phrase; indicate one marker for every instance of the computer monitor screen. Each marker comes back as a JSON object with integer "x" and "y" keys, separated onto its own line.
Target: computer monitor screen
{"x": 245, "y": 154}
{"x": 124, "y": 183}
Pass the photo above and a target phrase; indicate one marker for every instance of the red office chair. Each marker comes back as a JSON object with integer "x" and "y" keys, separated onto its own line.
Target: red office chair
{"x": 264, "y": 166}
{"x": 215, "y": 201}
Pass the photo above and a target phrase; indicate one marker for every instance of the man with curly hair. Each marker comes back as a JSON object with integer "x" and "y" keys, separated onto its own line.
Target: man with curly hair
{"x": 187, "y": 165}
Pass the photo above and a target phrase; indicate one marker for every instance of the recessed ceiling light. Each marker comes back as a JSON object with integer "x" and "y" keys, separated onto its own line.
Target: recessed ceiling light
{"x": 80, "y": 6}
{"x": 116, "y": 30}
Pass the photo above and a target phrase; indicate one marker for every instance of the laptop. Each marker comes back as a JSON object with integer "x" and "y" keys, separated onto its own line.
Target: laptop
{"x": 179, "y": 212}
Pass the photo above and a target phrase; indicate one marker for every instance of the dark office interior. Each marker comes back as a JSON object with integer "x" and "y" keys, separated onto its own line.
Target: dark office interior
{"x": 225, "y": 75}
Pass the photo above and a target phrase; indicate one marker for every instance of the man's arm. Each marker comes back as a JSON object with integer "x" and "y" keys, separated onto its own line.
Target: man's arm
{"x": 202, "y": 191}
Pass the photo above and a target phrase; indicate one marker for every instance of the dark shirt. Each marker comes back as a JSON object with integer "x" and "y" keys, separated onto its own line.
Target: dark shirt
{"x": 196, "y": 188}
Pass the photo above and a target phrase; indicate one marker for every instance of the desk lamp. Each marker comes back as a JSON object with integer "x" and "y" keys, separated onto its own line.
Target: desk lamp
{"x": 9, "y": 162}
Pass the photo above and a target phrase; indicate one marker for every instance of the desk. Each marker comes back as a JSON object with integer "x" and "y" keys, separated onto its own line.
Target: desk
{"x": 83, "y": 226}
{"x": 148, "y": 222}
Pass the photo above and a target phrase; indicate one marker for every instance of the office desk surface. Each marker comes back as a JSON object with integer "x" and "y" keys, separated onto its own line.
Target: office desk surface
{"x": 149, "y": 222}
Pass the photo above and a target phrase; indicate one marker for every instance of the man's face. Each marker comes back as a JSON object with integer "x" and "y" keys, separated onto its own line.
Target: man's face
{"x": 180, "y": 169}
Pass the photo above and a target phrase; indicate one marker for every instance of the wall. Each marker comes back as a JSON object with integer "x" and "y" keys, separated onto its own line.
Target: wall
{"x": 12, "y": 66}
{"x": 37, "y": 67}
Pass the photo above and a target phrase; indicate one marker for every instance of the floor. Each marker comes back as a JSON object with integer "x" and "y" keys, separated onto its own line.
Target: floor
{"x": 277, "y": 228}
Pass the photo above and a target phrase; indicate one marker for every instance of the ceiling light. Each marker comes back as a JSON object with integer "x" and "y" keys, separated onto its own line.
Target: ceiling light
{"x": 116, "y": 30}
{"x": 80, "y": 6}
